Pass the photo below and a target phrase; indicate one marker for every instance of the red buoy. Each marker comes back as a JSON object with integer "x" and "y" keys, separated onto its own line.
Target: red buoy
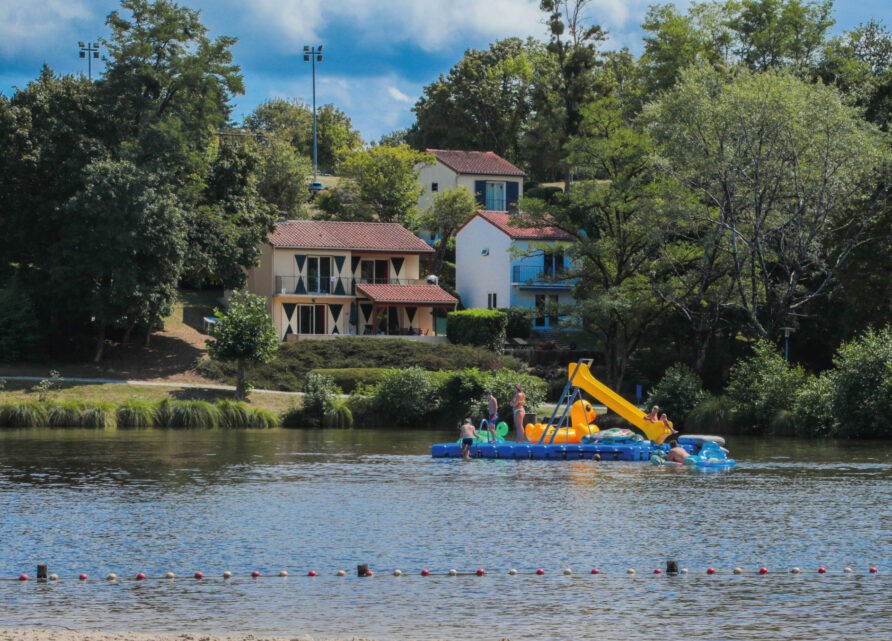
{"x": 140, "y": 576}
{"x": 82, "y": 577}
{"x": 540, "y": 571}
{"x": 657, "y": 571}
{"x": 311, "y": 573}
{"x": 424, "y": 572}
{"x": 23, "y": 577}
{"x": 710, "y": 570}
{"x": 199, "y": 575}
{"x": 596, "y": 571}
{"x": 873, "y": 570}
{"x": 480, "y": 571}
{"x": 822, "y": 570}
{"x": 763, "y": 570}
{"x": 255, "y": 574}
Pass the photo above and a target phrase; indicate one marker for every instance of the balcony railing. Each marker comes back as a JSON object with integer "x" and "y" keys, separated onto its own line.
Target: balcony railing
{"x": 345, "y": 286}
{"x": 538, "y": 276}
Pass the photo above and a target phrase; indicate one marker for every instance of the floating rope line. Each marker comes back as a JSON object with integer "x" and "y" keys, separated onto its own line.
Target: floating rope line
{"x": 363, "y": 571}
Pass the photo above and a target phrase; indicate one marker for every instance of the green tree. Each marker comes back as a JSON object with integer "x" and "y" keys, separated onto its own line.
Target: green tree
{"x": 482, "y": 103}
{"x": 618, "y": 223}
{"x": 283, "y": 177}
{"x": 449, "y": 211}
{"x": 243, "y": 333}
{"x": 167, "y": 86}
{"x": 785, "y": 229}
{"x": 336, "y": 138}
{"x": 385, "y": 180}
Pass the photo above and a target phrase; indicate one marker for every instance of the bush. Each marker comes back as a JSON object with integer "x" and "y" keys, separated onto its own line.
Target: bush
{"x": 318, "y": 389}
{"x": 814, "y": 407}
{"x": 337, "y": 413}
{"x": 347, "y": 379}
{"x": 188, "y": 414}
{"x": 405, "y": 396}
{"x": 760, "y": 386}
{"x": 136, "y": 414}
{"x": 678, "y": 392}
{"x": 863, "y": 385}
{"x": 481, "y": 327}
{"x": 520, "y": 322}
{"x": 711, "y": 416}
{"x": 100, "y": 416}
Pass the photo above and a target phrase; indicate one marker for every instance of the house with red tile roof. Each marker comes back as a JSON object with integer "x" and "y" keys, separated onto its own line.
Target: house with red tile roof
{"x": 495, "y": 182}
{"x": 499, "y": 264}
{"x": 347, "y": 278}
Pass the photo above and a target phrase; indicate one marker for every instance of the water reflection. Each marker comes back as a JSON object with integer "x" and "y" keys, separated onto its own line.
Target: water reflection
{"x": 159, "y": 500}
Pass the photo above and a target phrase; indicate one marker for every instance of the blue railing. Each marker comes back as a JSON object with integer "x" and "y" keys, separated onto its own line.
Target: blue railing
{"x": 538, "y": 276}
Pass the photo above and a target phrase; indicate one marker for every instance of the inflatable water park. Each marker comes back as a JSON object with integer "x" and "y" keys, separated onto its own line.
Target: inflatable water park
{"x": 571, "y": 433}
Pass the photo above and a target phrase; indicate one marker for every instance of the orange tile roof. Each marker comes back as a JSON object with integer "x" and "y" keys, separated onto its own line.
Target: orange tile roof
{"x": 500, "y": 219}
{"x": 416, "y": 294}
{"x": 355, "y": 236}
{"x": 475, "y": 162}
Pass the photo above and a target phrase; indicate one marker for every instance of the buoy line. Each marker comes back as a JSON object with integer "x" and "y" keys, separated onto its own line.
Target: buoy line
{"x": 672, "y": 569}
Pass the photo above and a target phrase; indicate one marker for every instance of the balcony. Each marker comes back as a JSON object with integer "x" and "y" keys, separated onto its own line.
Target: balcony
{"x": 346, "y": 286}
{"x": 539, "y": 277}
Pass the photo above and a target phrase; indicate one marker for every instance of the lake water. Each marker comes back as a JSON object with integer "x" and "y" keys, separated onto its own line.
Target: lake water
{"x": 162, "y": 501}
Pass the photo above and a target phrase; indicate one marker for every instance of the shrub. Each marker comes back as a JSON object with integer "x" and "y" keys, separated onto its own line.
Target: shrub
{"x": 520, "y": 322}
{"x": 48, "y": 387}
{"x": 350, "y": 378}
{"x": 262, "y": 419}
{"x": 234, "y": 414}
{"x": 863, "y": 385}
{"x": 337, "y": 413}
{"x": 317, "y": 389}
{"x": 481, "y": 327}
{"x": 760, "y": 386}
{"x": 136, "y": 414}
{"x": 461, "y": 393}
{"x": 814, "y": 407}
{"x": 711, "y": 416}
{"x": 405, "y": 396}
{"x": 678, "y": 392}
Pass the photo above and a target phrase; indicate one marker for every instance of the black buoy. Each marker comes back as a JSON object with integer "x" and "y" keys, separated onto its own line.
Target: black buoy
{"x": 671, "y": 567}
{"x": 362, "y": 570}
{"x": 42, "y": 572}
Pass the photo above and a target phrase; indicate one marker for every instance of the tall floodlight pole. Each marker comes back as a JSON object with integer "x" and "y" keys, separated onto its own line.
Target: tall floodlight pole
{"x": 314, "y": 55}
{"x": 89, "y": 50}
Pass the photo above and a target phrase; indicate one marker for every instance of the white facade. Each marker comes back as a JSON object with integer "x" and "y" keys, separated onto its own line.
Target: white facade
{"x": 438, "y": 177}
{"x": 493, "y": 269}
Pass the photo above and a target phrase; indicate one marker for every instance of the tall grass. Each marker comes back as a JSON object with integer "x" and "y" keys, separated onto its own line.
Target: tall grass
{"x": 27, "y": 414}
{"x": 136, "y": 414}
{"x": 67, "y": 414}
{"x": 193, "y": 414}
{"x": 99, "y": 416}
{"x": 337, "y": 413}
{"x": 241, "y": 415}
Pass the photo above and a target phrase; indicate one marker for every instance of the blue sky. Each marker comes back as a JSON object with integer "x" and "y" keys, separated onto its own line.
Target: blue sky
{"x": 378, "y": 54}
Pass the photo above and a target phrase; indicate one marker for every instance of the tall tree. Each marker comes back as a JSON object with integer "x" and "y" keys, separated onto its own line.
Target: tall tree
{"x": 573, "y": 46}
{"x": 167, "y": 86}
{"x": 449, "y": 211}
{"x": 482, "y": 104}
{"x": 785, "y": 170}
{"x": 618, "y": 213}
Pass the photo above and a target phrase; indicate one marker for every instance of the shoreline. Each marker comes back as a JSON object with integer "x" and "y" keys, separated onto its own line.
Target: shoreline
{"x": 56, "y": 634}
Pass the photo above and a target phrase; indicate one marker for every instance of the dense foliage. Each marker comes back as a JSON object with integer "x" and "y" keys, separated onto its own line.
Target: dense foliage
{"x": 480, "y": 327}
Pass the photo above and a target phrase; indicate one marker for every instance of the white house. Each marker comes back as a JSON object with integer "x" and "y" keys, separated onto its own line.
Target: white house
{"x": 499, "y": 266}
{"x": 496, "y": 183}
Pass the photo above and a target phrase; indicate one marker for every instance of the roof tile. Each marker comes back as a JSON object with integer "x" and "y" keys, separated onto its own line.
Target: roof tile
{"x": 420, "y": 294}
{"x": 476, "y": 162}
{"x": 356, "y": 236}
{"x": 501, "y": 220}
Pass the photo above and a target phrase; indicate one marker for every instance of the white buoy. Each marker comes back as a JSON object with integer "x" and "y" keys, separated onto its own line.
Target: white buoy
{"x": 397, "y": 573}
{"x": 795, "y": 571}
{"x": 54, "y": 577}
{"x": 738, "y": 571}
{"x": 283, "y": 573}
{"x": 567, "y": 571}
{"x": 341, "y": 573}
{"x": 848, "y": 570}
{"x": 630, "y": 571}
{"x": 512, "y": 572}
{"x": 112, "y": 576}
{"x": 170, "y": 575}
{"x": 453, "y": 572}
{"x": 227, "y": 574}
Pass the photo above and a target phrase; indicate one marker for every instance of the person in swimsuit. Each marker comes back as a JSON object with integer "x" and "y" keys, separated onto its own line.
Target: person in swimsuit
{"x": 677, "y": 454}
{"x": 654, "y": 415}
{"x": 519, "y": 412}
{"x": 492, "y": 407}
{"x": 468, "y": 434}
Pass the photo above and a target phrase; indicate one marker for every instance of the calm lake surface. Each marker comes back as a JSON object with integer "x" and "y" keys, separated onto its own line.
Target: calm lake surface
{"x": 298, "y": 500}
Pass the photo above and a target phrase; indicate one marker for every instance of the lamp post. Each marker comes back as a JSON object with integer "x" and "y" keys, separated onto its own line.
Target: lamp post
{"x": 314, "y": 55}
{"x": 89, "y": 50}
{"x": 787, "y": 332}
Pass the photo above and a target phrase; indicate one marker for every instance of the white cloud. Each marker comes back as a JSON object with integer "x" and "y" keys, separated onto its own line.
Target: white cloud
{"x": 398, "y": 95}
{"x": 31, "y": 27}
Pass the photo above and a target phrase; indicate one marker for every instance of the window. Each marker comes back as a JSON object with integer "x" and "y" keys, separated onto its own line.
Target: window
{"x": 491, "y": 302}
{"x": 495, "y": 196}
{"x": 373, "y": 271}
{"x": 546, "y": 310}
{"x": 311, "y": 319}
{"x": 435, "y": 186}
{"x": 553, "y": 263}
{"x": 318, "y": 274}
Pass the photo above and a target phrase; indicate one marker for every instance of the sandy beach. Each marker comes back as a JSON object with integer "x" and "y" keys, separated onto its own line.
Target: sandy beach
{"x": 76, "y": 635}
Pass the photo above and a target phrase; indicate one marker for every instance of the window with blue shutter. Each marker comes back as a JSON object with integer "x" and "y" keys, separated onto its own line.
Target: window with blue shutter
{"x": 513, "y": 194}
{"x": 480, "y": 192}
